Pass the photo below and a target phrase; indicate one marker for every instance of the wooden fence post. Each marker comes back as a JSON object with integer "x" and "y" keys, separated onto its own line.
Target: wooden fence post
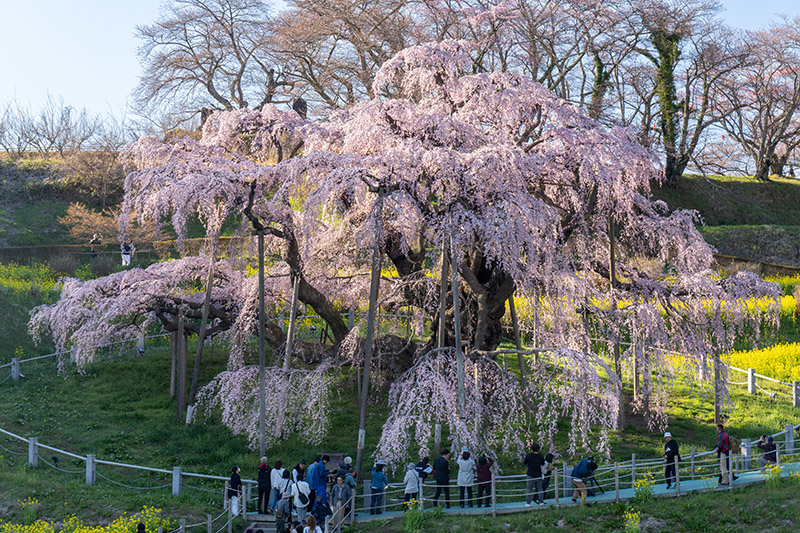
{"x": 796, "y": 394}
{"x": 15, "y": 369}
{"x": 633, "y": 469}
{"x": 494, "y": 498}
{"x": 183, "y": 525}
{"x": 677, "y": 477}
{"x": 90, "y": 469}
{"x": 746, "y": 449}
{"x": 789, "y": 430}
{"x": 209, "y": 524}
{"x": 751, "y": 380}
{"x": 555, "y": 476}
{"x": 33, "y": 452}
{"x": 616, "y": 482}
{"x": 176, "y": 480}
{"x": 692, "y": 463}
{"x": 140, "y": 343}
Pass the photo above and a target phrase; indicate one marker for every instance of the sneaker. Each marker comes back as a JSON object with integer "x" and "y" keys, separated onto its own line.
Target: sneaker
{"x": 669, "y": 487}
{"x": 527, "y": 505}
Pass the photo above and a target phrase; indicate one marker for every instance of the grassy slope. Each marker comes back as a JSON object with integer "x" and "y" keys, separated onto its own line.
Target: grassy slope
{"x": 758, "y": 221}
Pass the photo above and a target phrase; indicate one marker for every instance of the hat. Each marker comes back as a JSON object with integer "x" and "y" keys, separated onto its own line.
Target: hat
{"x": 464, "y": 449}
{"x": 412, "y": 466}
{"x": 348, "y": 460}
{"x": 264, "y": 460}
{"x": 286, "y": 495}
{"x": 380, "y": 462}
{"x": 667, "y": 434}
{"x": 770, "y": 440}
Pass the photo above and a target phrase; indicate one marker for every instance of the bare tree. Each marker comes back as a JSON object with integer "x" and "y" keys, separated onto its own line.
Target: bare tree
{"x": 765, "y": 98}
{"x": 208, "y": 53}
{"x": 332, "y": 48}
{"x": 18, "y": 129}
{"x": 60, "y": 127}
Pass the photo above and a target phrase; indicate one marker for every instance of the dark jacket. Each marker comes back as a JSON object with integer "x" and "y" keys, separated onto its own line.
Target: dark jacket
{"x": 264, "y": 482}
{"x": 320, "y": 511}
{"x": 534, "y": 462}
{"x": 671, "y": 451}
{"x": 769, "y": 451}
{"x": 485, "y": 472}
{"x": 235, "y": 486}
{"x": 582, "y": 470}
{"x": 421, "y": 466}
{"x": 441, "y": 469}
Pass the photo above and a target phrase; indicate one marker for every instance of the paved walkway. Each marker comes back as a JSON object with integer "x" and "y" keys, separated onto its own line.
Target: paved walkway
{"x": 659, "y": 490}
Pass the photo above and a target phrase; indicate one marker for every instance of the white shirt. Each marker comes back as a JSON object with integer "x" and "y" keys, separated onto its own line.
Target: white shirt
{"x": 276, "y": 477}
{"x": 316, "y": 530}
{"x": 297, "y": 488}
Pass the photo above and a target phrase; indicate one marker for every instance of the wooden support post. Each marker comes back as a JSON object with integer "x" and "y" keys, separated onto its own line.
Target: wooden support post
{"x": 181, "y": 365}
{"x": 351, "y": 318}
{"x": 751, "y": 380}
{"x": 140, "y": 343}
{"x": 90, "y": 469}
{"x": 494, "y": 497}
{"x": 15, "y": 369}
{"x": 796, "y": 394}
{"x": 292, "y": 322}
{"x": 176, "y": 480}
{"x": 717, "y": 389}
{"x": 518, "y": 342}
{"x": 375, "y": 280}
{"x": 201, "y": 338}
{"x": 209, "y": 524}
{"x": 437, "y": 438}
{"x": 612, "y": 262}
{"x": 173, "y": 357}
{"x": 555, "y": 476}
{"x": 457, "y": 332}
{"x": 183, "y": 525}
{"x": 33, "y": 452}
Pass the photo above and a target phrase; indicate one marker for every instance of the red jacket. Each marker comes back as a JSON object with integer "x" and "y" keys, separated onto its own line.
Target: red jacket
{"x": 485, "y": 472}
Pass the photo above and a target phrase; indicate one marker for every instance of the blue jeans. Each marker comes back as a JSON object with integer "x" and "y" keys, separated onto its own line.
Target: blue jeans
{"x": 376, "y": 502}
{"x": 276, "y": 495}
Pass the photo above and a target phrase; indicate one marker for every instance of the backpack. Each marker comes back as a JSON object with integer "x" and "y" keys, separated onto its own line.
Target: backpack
{"x": 734, "y": 444}
{"x": 278, "y": 513}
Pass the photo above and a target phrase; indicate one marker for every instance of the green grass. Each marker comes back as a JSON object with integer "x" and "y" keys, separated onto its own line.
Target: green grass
{"x": 736, "y": 201}
{"x": 768, "y": 243}
{"x": 756, "y": 507}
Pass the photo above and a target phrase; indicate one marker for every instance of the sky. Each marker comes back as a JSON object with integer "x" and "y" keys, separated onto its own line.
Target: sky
{"x": 85, "y": 50}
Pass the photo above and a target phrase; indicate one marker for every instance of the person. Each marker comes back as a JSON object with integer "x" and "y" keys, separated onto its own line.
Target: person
{"x": 287, "y": 484}
{"x": 441, "y": 476}
{"x": 235, "y": 489}
{"x": 264, "y": 487}
{"x": 320, "y": 511}
{"x": 465, "y": 478}
{"x": 345, "y": 467}
{"x": 378, "y": 486}
{"x": 549, "y": 461}
{"x": 93, "y": 244}
{"x": 126, "y": 249}
{"x": 424, "y": 468}
{"x": 301, "y": 498}
{"x": 140, "y": 528}
{"x": 340, "y": 499}
{"x": 484, "y": 478}
{"x": 283, "y": 513}
{"x": 350, "y": 479}
{"x": 276, "y": 480}
{"x": 322, "y": 478}
{"x": 299, "y": 471}
{"x": 311, "y": 477}
{"x": 580, "y": 475}
{"x": 311, "y": 526}
{"x": 670, "y": 453}
{"x": 534, "y": 478}
{"x": 767, "y": 445}
{"x": 412, "y": 483}
{"x": 723, "y": 450}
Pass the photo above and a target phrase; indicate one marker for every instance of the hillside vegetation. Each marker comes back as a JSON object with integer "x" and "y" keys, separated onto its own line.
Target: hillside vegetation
{"x": 743, "y": 217}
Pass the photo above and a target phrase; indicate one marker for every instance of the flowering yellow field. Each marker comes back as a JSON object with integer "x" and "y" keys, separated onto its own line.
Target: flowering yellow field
{"x": 149, "y": 516}
{"x": 781, "y": 361}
